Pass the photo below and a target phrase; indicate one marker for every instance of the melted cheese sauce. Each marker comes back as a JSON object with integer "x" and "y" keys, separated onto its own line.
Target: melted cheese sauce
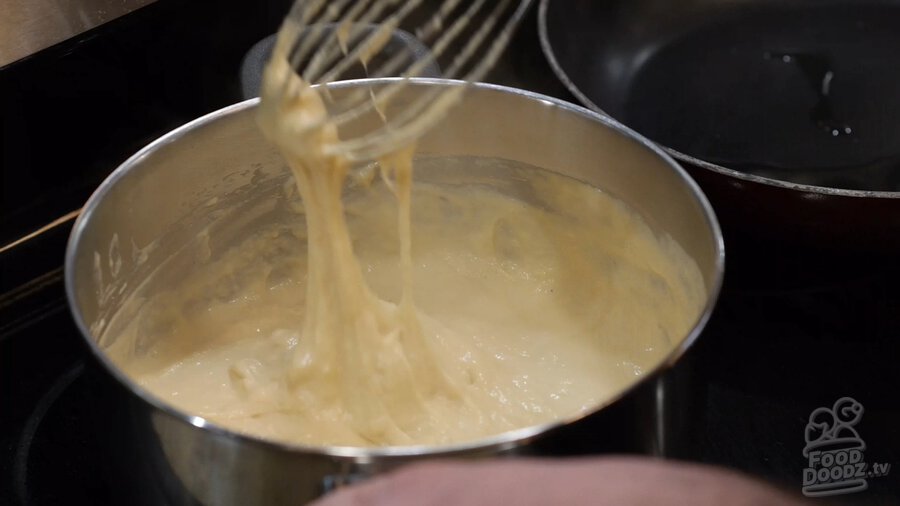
{"x": 530, "y": 311}
{"x": 412, "y": 314}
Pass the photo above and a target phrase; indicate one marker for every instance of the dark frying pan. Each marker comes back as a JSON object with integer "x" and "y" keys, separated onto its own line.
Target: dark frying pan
{"x": 787, "y": 112}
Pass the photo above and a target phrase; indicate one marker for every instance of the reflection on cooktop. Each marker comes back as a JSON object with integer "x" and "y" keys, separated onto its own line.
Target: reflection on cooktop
{"x": 770, "y": 358}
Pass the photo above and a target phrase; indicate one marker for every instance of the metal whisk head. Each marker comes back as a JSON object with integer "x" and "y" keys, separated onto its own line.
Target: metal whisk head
{"x": 334, "y": 40}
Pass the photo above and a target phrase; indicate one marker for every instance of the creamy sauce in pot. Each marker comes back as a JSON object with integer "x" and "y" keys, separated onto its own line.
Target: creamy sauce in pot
{"x": 531, "y": 311}
{"x": 410, "y": 314}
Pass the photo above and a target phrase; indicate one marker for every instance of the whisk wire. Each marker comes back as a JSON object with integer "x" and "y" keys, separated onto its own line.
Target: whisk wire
{"x": 315, "y": 26}
{"x": 347, "y": 33}
{"x": 396, "y": 62}
{"x": 373, "y": 43}
{"x": 439, "y": 46}
{"x": 336, "y": 39}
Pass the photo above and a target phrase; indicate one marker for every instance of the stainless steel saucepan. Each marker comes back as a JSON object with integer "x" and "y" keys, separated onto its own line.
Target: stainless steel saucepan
{"x": 219, "y": 167}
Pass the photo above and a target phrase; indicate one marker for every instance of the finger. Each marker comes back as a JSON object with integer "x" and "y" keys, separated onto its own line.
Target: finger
{"x": 618, "y": 481}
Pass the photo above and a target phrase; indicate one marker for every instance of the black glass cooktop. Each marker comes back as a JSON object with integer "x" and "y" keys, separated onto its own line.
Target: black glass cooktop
{"x": 766, "y": 362}
{"x": 768, "y": 359}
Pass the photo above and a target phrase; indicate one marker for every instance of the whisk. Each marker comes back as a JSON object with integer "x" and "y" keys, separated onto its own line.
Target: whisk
{"x": 325, "y": 41}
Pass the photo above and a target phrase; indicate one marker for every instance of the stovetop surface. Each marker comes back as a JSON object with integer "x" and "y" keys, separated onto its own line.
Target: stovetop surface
{"x": 766, "y": 361}
{"x": 768, "y": 358}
